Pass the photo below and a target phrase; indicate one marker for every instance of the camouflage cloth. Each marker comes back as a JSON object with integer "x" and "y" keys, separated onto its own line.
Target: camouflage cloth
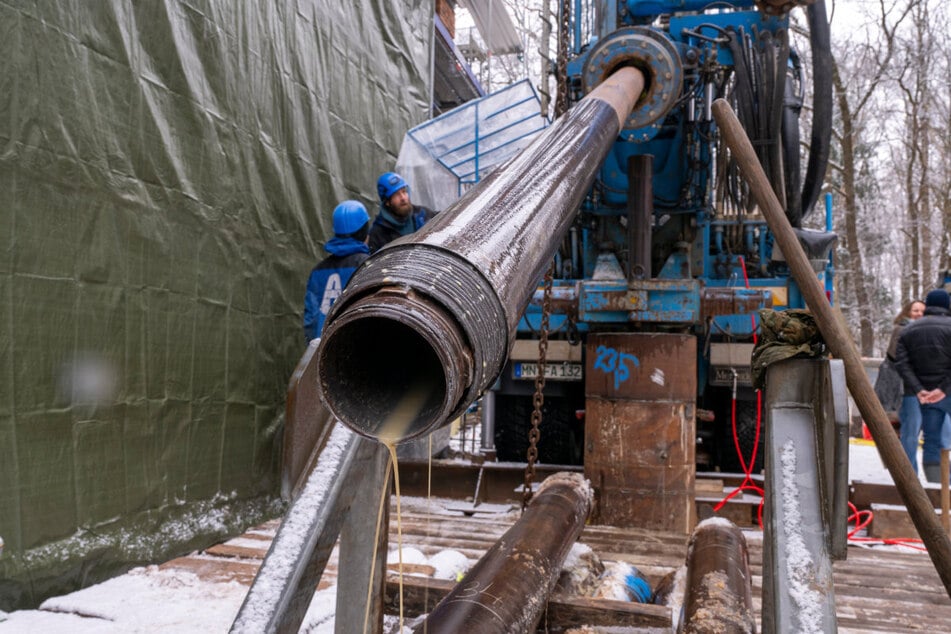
{"x": 787, "y": 334}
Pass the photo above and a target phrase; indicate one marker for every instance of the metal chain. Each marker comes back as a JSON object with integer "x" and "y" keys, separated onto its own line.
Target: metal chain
{"x": 561, "y": 64}
{"x": 538, "y": 399}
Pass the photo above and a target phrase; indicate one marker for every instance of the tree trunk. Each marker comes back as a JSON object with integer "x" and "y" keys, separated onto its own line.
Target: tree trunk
{"x": 856, "y": 267}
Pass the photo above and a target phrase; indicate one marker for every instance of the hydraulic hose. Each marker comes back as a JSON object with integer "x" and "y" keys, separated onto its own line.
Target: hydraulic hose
{"x": 819, "y": 39}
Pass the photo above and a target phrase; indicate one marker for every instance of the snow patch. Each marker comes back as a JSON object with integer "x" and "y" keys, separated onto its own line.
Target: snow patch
{"x": 144, "y": 600}
{"x": 712, "y": 522}
{"x": 800, "y": 568}
{"x": 409, "y": 556}
{"x": 218, "y": 516}
{"x": 449, "y": 564}
{"x": 295, "y": 530}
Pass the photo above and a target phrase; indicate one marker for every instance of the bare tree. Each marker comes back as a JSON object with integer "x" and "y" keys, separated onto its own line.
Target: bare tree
{"x": 868, "y": 62}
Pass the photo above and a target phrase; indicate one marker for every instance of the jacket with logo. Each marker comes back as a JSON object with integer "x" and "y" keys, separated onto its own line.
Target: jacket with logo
{"x": 328, "y": 279}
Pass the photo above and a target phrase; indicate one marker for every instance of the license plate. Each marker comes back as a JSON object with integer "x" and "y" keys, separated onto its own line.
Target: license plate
{"x": 559, "y": 371}
{"x": 724, "y": 376}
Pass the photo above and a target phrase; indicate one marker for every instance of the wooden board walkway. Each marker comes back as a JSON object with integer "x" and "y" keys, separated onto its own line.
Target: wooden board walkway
{"x": 877, "y": 590}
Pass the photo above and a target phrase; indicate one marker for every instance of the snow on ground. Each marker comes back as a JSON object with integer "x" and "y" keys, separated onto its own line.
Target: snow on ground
{"x": 865, "y": 464}
{"x": 151, "y": 599}
{"x": 143, "y": 600}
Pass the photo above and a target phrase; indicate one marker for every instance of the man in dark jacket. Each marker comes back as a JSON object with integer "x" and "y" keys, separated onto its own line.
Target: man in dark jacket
{"x": 923, "y": 359}
{"x": 398, "y": 215}
{"x": 348, "y": 249}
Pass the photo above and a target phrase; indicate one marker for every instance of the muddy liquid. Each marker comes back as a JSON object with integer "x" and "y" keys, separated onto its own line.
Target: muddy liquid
{"x": 391, "y": 432}
{"x": 384, "y": 494}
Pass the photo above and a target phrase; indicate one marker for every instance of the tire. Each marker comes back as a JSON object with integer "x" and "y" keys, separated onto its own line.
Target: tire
{"x": 561, "y": 435}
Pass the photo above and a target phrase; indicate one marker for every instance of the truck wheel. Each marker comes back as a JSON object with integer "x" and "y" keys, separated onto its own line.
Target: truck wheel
{"x": 746, "y": 435}
{"x": 561, "y": 435}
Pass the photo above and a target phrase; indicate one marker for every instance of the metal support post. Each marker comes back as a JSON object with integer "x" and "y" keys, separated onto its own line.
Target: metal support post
{"x": 363, "y": 546}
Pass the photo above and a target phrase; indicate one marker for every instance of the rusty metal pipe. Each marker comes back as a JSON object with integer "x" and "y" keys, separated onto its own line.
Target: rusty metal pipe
{"x": 508, "y": 588}
{"x": 719, "y": 596}
{"x": 640, "y": 215}
{"x": 425, "y": 325}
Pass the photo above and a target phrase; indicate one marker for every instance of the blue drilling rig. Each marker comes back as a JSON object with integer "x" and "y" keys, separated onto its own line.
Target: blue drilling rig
{"x": 668, "y": 239}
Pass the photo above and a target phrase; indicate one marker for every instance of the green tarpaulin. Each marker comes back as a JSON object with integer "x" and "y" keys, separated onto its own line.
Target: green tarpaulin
{"x": 167, "y": 172}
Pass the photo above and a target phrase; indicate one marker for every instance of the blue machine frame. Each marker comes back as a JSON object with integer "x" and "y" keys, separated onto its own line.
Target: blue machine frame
{"x": 682, "y": 160}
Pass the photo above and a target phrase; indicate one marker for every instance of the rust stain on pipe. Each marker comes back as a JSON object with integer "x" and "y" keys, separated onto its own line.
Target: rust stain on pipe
{"x": 719, "y": 585}
{"x": 508, "y": 588}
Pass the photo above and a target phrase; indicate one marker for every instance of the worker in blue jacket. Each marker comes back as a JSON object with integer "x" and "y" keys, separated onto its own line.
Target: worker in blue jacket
{"x": 398, "y": 215}
{"x": 348, "y": 249}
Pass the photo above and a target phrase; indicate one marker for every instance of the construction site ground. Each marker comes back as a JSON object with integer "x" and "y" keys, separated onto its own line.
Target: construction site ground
{"x": 878, "y": 588}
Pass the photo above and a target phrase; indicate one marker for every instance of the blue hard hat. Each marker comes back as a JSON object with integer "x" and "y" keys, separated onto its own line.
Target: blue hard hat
{"x": 388, "y": 184}
{"x": 349, "y": 217}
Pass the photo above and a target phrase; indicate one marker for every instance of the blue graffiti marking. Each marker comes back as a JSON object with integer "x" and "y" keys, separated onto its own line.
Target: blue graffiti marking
{"x": 610, "y": 360}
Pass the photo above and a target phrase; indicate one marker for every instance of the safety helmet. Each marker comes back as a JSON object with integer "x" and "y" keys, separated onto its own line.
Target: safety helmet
{"x": 388, "y": 184}
{"x": 349, "y": 217}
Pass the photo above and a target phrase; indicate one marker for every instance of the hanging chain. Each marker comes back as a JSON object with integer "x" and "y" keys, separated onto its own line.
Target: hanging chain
{"x": 538, "y": 400}
{"x": 561, "y": 64}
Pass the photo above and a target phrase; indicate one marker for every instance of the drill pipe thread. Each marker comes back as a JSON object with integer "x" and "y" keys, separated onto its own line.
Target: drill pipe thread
{"x": 410, "y": 293}
{"x": 471, "y": 270}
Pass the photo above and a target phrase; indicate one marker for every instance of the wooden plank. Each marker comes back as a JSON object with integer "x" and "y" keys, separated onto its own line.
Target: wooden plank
{"x": 224, "y": 550}
{"x": 891, "y": 521}
{"x": 639, "y": 456}
{"x": 420, "y": 596}
{"x": 864, "y": 494}
{"x": 215, "y": 569}
{"x": 644, "y": 366}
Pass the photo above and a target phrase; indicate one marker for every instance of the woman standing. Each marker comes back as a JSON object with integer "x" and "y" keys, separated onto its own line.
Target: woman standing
{"x": 909, "y": 413}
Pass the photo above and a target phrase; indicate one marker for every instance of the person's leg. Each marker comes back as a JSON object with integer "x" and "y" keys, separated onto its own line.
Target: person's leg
{"x": 909, "y": 414}
{"x": 932, "y": 422}
{"x": 932, "y": 419}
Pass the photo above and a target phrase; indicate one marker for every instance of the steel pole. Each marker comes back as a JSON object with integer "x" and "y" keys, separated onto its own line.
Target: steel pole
{"x": 507, "y": 590}
{"x": 640, "y": 215}
{"x": 425, "y": 325}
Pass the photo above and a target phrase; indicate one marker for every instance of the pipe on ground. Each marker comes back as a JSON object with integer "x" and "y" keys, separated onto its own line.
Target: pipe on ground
{"x": 508, "y": 588}
{"x": 425, "y": 324}
{"x": 719, "y": 595}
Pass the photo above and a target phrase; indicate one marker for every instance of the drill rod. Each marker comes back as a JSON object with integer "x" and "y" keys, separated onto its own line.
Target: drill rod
{"x": 424, "y": 326}
{"x": 508, "y": 588}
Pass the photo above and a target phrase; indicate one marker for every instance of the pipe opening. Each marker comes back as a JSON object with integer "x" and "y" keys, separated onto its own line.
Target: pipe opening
{"x": 644, "y": 66}
{"x": 382, "y": 378}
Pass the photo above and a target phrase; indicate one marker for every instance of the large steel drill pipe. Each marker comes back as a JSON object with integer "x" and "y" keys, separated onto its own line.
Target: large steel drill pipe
{"x": 508, "y": 588}
{"x": 719, "y": 595}
{"x": 425, "y": 324}
{"x": 839, "y": 339}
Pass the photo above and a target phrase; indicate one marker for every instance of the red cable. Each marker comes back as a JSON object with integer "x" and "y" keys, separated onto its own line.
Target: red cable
{"x": 857, "y": 515}
{"x": 861, "y": 519}
{"x": 747, "y": 484}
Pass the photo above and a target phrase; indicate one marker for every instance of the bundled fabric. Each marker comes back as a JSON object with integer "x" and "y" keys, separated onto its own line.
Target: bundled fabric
{"x": 788, "y": 334}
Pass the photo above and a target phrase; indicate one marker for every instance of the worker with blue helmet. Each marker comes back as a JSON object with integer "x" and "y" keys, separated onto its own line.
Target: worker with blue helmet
{"x": 348, "y": 249}
{"x": 398, "y": 215}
